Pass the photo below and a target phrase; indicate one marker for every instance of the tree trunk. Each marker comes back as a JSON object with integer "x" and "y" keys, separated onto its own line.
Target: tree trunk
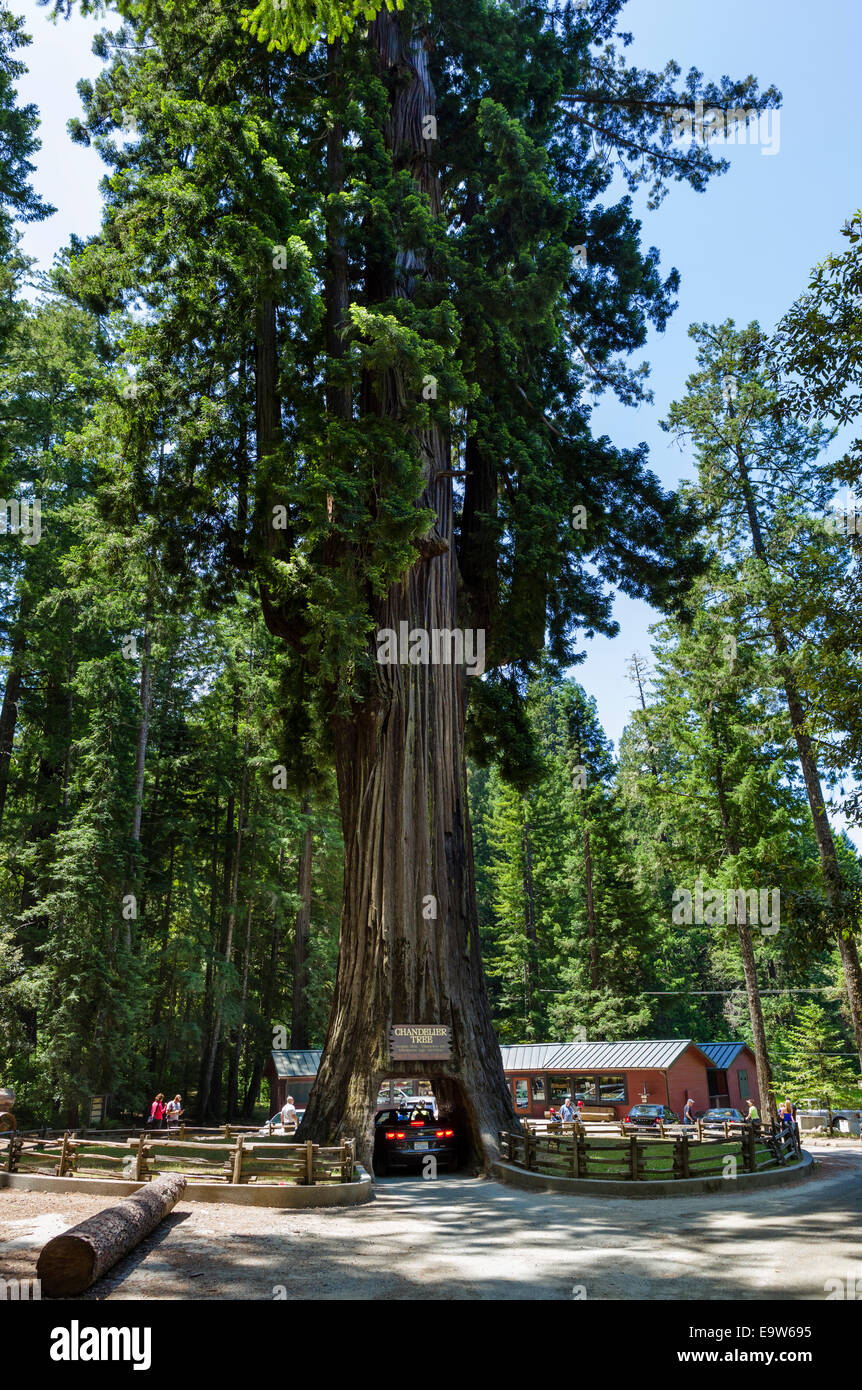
{"x": 302, "y": 930}
{"x": 145, "y": 707}
{"x": 220, "y": 981}
{"x": 236, "y": 1054}
{"x": 73, "y": 1261}
{"x": 529, "y": 926}
{"x": 9, "y": 714}
{"x": 403, "y": 795}
{"x": 840, "y": 897}
{"x": 269, "y": 973}
{"x": 749, "y": 966}
{"x": 595, "y": 982}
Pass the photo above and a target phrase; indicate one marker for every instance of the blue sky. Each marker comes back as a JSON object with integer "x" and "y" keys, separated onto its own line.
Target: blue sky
{"x": 744, "y": 247}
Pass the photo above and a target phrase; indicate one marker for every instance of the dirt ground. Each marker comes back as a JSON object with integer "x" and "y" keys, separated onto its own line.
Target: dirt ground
{"x": 465, "y": 1238}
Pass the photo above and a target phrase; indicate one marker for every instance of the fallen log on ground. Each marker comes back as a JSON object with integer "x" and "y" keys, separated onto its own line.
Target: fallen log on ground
{"x": 73, "y": 1261}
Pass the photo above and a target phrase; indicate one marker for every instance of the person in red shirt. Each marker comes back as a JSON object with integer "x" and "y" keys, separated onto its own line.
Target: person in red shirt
{"x": 157, "y": 1112}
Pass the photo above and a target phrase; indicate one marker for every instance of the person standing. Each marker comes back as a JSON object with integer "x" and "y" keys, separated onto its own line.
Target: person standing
{"x": 567, "y": 1113}
{"x": 752, "y": 1116}
{"x": 688, "y": 1112}
{"x": 157, "y": 1112}
{"x": 288, "y": 1115}
{"x": 173, "y": 1111}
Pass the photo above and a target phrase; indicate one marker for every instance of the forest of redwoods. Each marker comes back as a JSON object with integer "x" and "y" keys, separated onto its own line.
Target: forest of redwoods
{"x": 233, "y": 407}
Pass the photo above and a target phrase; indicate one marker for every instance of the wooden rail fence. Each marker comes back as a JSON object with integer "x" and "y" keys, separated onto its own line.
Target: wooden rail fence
{"x": 572, "y": 1152}
{"x": 140, "y": 1158}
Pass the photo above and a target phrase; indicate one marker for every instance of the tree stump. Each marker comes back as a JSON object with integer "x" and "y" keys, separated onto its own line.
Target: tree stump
{"x": 73, "y": 1261}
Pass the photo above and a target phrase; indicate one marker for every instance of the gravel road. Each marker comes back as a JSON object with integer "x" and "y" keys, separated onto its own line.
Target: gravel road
{"x": 467, "y": 1238}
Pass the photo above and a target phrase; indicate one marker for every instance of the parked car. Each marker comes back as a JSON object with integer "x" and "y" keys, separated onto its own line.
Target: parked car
{"x": 648, "y": 1116}
{"x": 812, "y": 1114}
{"x": 404, "y": 1137}
{"x": 715, "y": 1119}
{"x": 278, "y": 1127}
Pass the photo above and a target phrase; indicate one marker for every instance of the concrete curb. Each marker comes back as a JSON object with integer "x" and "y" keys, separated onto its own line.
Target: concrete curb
{"x": 672, "y": 1187}
{"x": 345, "y": 1194}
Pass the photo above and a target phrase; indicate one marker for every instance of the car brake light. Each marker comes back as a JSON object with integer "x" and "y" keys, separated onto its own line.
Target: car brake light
{"x": 448, "y": 1133}
{"x": 390, "y": 1134}
{"x": 400, "y": 1134}
{"x": 414, "y": 1124}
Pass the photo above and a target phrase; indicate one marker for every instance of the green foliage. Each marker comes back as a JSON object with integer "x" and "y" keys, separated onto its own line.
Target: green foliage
{"x": 297, "y": 24}
{"x": 812, "y": 1064}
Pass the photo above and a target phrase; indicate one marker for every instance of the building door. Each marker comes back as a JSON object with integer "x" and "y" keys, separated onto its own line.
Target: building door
{"x": 521, "y": 1094}
{"x": 716, "y": 1085}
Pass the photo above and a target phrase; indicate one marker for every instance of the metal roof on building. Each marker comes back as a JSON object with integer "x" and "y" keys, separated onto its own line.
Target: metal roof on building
{"x": 614, "y": 1056}
{"x": 721, "y": 1054}
{"x": 528, "y": 1056}
{"x": 650, "y": 1055}
{"x": 297, "y": 1061}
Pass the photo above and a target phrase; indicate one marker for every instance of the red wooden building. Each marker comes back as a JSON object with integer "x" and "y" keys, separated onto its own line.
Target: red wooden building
{"x": 621, "y": 1074}
{"x": 608, "y": 1075}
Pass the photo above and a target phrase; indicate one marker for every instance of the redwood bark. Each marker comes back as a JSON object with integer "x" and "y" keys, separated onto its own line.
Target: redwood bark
{"x": 402, "y": 791}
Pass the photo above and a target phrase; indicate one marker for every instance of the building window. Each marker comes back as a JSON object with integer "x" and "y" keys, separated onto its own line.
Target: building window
{"x": 743, "y": 1085}
{"x": 538, "y": 1088}
{"x": 561, "y": 1087}
{"x": 522, "y": 1093}
{"x": 612, "y": 1089}
{"x": 585, "y": 1090}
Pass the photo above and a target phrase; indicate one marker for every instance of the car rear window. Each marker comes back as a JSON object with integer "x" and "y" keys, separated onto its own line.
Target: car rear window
{"x": 646, "y": 1109}
{"x": 405, "y": 1116}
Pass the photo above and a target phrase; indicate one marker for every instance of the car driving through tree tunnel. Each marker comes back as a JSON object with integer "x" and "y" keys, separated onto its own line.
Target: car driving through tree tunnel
{"x": 405, "y": 1137}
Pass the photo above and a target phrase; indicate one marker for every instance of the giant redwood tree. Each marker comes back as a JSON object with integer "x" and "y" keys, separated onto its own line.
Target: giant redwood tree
{"x": 380, "y": 284}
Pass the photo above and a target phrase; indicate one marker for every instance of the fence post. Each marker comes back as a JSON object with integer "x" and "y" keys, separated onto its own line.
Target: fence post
{"x": 227, "y": 1131}
{"x": 680, "y": 1156}
{"x": 347, "y": 1159}
{"x": 700, "y": 1131}
{"x": 236, "y": 1172}
{"x": 140, "y": 1159}
{"x": 748, "y": 1159}
{"x": 633, "y": 1157}
{"x": 529, "y": 1152}
{"x": 309, "y": 1162}
{"x": 581, "y": 1143}
{"x": 61, "y": 1171}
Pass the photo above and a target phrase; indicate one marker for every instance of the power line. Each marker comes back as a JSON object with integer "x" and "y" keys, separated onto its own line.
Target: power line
{"x": 740, "y": 989}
